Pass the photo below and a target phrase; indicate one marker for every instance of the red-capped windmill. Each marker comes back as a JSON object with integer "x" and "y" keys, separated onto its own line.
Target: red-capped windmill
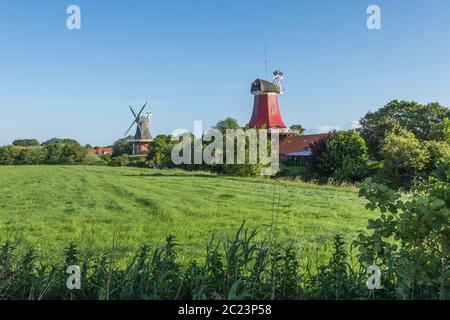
{"x": 266, "y": 111}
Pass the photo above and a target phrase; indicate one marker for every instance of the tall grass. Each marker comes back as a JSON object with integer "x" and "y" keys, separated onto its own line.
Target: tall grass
{"x": 239, "y": 267}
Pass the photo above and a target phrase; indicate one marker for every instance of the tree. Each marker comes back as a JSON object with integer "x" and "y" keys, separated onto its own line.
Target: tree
{"x": 8, "y": 155}
{"x": 120, "y": 161}
{"x": 64, "y": 151}
{"x": 403, "y": 158}
{"x": 297, "y": 128}
{"x": 122, "y": 146}
{"x": 441, "y": 132}
{"x": 438, "y": 152}
{"x": 58, "y": 140}
{"x": 228, "y": 123}
{"x": 73, "y": 153}
{"x": 411, "y": 116}
{"x": 32, "y": 156}
{"x": 54, "y": 153}
{"x": 26, "y": 143}
{"x": 317, "y": 149}
{"x": 159, "y": 149}
{"x": 345, "y": 157}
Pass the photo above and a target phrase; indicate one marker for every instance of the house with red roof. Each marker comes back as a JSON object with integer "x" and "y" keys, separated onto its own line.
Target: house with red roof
{"x": 293, "y": 146}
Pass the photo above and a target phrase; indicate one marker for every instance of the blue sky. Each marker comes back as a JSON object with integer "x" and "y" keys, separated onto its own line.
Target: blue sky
{"x": 195, "y": 60}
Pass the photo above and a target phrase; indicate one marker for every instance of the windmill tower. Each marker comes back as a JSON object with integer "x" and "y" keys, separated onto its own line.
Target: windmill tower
{"x": 142, "y": 136}
{"x": 266, "y": 111}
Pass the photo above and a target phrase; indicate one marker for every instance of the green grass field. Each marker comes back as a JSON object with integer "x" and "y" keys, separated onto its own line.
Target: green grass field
{"x": 49, "y": 206}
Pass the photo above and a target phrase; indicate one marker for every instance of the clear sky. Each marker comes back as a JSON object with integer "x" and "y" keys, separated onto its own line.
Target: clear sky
{"x": 195, "y": 60}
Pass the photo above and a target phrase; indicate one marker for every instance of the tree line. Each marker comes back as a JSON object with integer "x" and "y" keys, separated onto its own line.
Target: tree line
{"x": 396, "y": 145}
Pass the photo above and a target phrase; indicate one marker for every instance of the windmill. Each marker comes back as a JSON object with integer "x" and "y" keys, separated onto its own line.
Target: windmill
{"x": 142, "y": 136}
{"x": 266, "y": 111}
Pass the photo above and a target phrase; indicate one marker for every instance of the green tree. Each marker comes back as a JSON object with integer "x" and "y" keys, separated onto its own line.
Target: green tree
{"x": 32, "y": 156}
{"x": 26, "y": 143}
{"x": 411, "y": 116}
{"x": 73, "y": 153}
{"x": 54, "y": 153}
{"x": 228, "y": 123}
{"x": 345, "y": 157}
{"x": 9, "y": 154}
{"x": 438, "y": 152}
{"x": 441, "y": 132}
{"x": 58, "y": 140}
{"x": 123, "y": 146}
{"x": 297, "y": 128}
{"x": 159, "y": 149}
{"x": 403, "y": 159}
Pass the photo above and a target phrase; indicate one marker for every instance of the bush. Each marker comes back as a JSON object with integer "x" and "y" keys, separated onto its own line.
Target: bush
{"x": 73, "y": 153}
{"x": 120, "y": 161}
{"x": 159, "y": 151}
{"x": 54, "y": 153}
{"x": 9, "y": 154}
{"x": 242, "y": 170}
{"x": 437, "y": 151}
{"x": 345, "y": 157}
{"x": 94, "y": 160}
{"x": 138, "y": 161}
{"x": 403, "y": 159}
{"x": 123, "y": 146}
{"x": 32, "y": 156}
{"x": 410, "y": 241}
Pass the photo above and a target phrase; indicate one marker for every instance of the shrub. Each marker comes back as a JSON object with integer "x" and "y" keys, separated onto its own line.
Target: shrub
{"x": 138, "y": 161}
{"x": 403, "y": 159}
{"x": 120, "y": 161}
{"x": 31, "y": 156}
{"x": 9, "y": 154}
{"x": 345, "y": 157}
{"x": 123, "y": 146}
{"x": 159, "y": 150}
{"x": 437, "y": 151}
{"x": 54, "y": 153}
{"x": 410, "y": 241}
{"x": 93, "y": 159}
{"x": 73, "y": 153}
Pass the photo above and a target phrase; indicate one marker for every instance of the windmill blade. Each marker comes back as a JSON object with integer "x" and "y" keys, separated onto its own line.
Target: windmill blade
{"x": 139, "y": 126}
{"x": 126, "y": 133}
{"x": 134, "y": 114}
{"x": 142, "y": 109}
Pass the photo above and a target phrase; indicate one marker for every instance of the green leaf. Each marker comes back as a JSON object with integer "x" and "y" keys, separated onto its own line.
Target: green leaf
{"x": 438, "y": 203}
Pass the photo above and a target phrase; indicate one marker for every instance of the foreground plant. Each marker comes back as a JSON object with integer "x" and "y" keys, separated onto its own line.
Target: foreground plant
{"x": 410, "y": 241}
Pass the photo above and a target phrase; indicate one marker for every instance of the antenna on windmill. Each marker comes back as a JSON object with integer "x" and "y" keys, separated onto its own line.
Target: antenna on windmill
{"x": 265, "y": 61}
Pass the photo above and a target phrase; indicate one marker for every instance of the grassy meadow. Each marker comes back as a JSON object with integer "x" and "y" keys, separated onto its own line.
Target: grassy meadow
{"x": 50, "y": 206}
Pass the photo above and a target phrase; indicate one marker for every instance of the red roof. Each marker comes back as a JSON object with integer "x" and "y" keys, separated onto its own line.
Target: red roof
{"x": 291, "y": 144}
